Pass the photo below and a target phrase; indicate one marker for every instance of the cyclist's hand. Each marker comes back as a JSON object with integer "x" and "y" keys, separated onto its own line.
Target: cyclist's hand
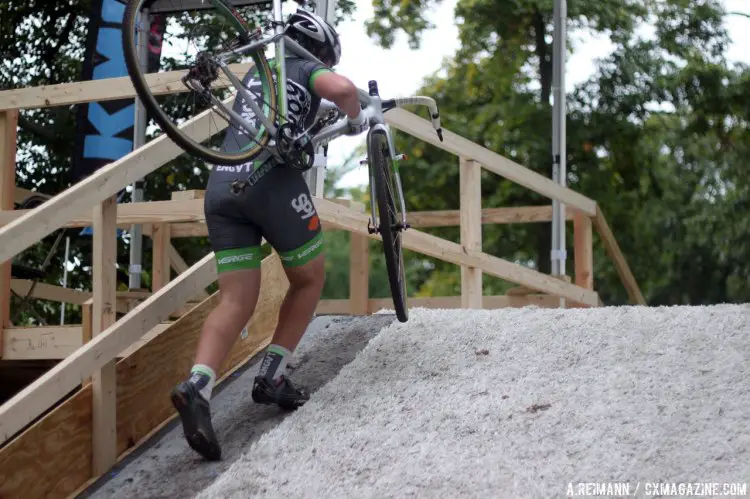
{"x": 358, "y": 124}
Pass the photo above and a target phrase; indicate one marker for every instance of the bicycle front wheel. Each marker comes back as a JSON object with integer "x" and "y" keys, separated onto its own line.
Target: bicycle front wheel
{"x": 382, "y": 173}
{"x": 187, "y": 109}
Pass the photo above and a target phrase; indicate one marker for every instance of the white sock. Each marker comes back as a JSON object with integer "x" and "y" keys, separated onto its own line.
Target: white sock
{"x": 203, "y": 377}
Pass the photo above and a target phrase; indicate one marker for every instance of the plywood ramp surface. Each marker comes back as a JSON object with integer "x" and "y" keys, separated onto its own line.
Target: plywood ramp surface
{"x": 52, "y": 458}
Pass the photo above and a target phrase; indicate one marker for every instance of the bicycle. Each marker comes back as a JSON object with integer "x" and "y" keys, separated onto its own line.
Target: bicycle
{"x": 270, "y": 130}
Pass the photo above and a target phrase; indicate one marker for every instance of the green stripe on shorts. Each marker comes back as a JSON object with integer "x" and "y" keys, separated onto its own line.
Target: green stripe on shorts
{"x": 304, "y": 253}
{"x": 238, "y": 259}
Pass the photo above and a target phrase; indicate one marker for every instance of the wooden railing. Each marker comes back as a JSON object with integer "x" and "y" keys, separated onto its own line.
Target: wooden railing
{"x": 91, "y": 202}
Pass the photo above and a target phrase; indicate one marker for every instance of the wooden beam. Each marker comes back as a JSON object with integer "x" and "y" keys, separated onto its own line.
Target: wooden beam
{"x": 422, "y": 129}
{"x": 41, "y": 343}
{"x": 65, "y": 94}
{"x": 178, "y": 264}
{"x": 359, "y": 269}
{"x": 583, "y": 251}
{"x": 621, "y": 264}
{"x": 103, "y": 316}
{"x": 29, "y": 403}
{"x": 44, "y": 291}
{"x": 417, "y": 219}
{"x": 25, "y": 231}
{"x": 188, "y": 195}
{"x": 470, "y": 182}
{"x": 148, "y": 212}
{"x": 20, "y": 195}
{"x": 190, "y": 229}
{"x": 8, "y": 126}
{"x": 507, "y": 215}
{"x": 451, "y": 252}
{"x": 160, "y": 267}
{"x": 52, "y": 458}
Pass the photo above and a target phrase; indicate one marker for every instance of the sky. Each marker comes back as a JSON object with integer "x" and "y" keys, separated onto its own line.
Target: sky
{"x": 362, "y": 61}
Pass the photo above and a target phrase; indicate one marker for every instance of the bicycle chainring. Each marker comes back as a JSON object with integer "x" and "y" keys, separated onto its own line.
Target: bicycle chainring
{"x": 297, "y": 154}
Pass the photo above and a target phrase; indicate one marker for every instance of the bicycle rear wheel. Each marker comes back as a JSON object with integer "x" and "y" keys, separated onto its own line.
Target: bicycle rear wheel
{"x": 382, "y": 172}
{"x": 202, "y": 32}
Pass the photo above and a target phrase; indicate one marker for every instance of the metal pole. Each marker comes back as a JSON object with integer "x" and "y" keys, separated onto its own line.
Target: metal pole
{"x": 558, "y": 255}
{"x": 315, "y": 177}
{"x": 65, "y": 278}
{"x": 139, "y": 139}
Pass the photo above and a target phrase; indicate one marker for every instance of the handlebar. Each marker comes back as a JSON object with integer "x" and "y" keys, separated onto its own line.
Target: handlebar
{"x": 373, "y": 108}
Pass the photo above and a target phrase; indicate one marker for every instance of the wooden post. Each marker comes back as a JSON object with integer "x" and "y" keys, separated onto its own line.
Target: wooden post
{"x": 583, "y": 250}
{"x": 103, "y": 315}
{"x": 160, "y": 269}
{"x": 359, "y": 270}
{"x": 8, "y": 124}
{"x": 471, "y": 230}
{"x": 87, "y": 326}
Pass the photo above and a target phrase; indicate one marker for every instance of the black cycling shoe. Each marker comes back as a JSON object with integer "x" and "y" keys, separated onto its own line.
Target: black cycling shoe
{"x": 195, "y": 413}
{"x": 283, "y": 393}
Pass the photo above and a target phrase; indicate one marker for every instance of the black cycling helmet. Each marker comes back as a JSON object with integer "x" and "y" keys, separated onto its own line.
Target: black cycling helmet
{"x": 315, "y": 35}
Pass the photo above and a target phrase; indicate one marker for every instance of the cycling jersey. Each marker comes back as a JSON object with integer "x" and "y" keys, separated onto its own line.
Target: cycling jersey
{"x": 278, "y": 207}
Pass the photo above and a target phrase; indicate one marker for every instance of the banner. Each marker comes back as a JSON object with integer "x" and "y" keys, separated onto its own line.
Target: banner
{"x": 104, "y": 130}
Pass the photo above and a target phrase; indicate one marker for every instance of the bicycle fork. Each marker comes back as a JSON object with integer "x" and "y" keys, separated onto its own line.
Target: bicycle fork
{"x": 396, "y": 158}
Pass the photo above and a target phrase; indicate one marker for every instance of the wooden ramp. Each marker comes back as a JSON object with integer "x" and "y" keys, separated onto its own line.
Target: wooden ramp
{"x": 53, "y": 457}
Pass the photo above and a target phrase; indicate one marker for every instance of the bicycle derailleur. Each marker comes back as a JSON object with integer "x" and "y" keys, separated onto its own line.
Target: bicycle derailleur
{"x": 204, "y": 72}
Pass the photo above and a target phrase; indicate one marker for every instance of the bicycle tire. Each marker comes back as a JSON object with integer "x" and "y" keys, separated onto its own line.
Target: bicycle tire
{"x": 381, "y": 166}
{"x": 185, "y": 142}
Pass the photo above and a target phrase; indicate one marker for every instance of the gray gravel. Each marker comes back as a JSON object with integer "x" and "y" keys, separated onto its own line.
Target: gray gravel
{"x": 518, "y": 403}
{"x": 168, "y": 468}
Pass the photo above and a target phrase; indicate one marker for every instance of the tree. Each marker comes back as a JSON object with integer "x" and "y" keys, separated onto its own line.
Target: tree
{"x": 650, "y": 98}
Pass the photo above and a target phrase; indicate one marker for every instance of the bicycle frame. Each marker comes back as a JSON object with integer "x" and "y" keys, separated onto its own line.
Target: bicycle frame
{"x": 374, "y": 106}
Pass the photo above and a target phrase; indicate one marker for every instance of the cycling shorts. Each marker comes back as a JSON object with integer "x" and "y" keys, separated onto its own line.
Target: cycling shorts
{"x": 278, "y": 208}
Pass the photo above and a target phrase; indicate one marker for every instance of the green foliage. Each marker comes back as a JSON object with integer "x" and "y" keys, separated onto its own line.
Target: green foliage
{"x": 657, "y": 136}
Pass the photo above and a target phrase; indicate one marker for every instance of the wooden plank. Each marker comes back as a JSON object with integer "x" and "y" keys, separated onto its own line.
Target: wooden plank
{"x": 506, "y": 215}
{"x": 417, "y": 219}
{"x": 470, "y": 184}
{"x": 454, "y": 302}
{"x": 359, "y": 269}
{"x": 451, "y": 252}
{"x": 179, "y": 265}
{"x": 20, "y": 195}
{"x": 28, "y": 404}
{"x": 148, "y": 212}
{"x": 160, "y": 267}
{"x": 621, "y": 264}
{"x": 190, "y": 229}
{"x": 25, "y": 231}
{"x": 104, "y": 409}
{"x": 41, "y": 343}
{"x": 188, "y": 195}
{"x": 335, "y": 307}
{"x": 8, "y": 126}
{"x": 44, "y": 291}
{"x": 65, "y": 94}
{"x": 53, "y": 457}
{"x": 583, "y": 251}
{"x": 462, "y": 147}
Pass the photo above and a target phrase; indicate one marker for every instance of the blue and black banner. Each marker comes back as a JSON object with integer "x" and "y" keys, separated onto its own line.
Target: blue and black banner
{"x": 105, "y": 129}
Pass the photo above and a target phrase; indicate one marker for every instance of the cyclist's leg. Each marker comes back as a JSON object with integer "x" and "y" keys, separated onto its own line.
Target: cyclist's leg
{"x": 236, "y": 243}
{"x": 293, "y": 229}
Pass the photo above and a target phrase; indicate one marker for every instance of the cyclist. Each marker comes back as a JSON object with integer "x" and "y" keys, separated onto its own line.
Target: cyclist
{"x": 278, "y": 207}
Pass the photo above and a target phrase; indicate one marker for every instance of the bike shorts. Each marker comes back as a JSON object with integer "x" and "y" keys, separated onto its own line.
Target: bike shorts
{"x": 278, "y": 208}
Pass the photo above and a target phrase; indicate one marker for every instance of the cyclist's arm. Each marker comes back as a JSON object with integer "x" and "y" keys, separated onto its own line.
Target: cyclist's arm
{"x": 340, "y": 90}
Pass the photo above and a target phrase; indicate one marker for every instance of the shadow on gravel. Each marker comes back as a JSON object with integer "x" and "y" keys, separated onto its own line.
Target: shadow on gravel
{"x": 166, "y": 467}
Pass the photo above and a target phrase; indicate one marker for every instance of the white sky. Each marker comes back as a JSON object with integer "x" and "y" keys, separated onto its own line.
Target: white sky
{"x": 399, "y": 71}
